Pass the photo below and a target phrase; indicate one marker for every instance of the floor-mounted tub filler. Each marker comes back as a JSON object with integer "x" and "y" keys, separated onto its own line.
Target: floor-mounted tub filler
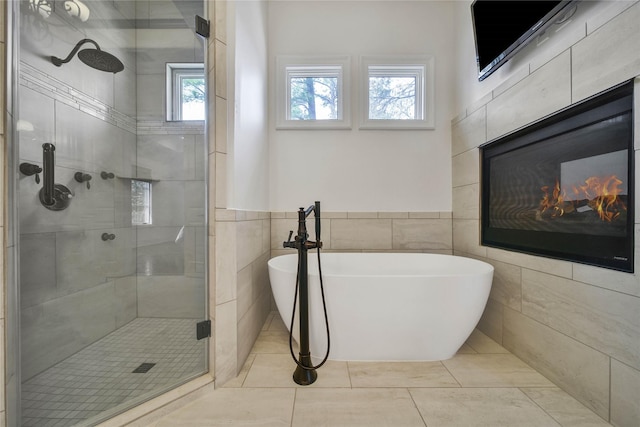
{"x": 387, "y": 306}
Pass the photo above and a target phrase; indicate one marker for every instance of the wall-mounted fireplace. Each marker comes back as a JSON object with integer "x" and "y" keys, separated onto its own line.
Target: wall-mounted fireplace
{"x": 562, "y": 187}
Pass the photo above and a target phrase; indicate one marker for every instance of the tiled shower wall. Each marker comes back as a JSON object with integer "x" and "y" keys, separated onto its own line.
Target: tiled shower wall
{"x": 578, "y": 325}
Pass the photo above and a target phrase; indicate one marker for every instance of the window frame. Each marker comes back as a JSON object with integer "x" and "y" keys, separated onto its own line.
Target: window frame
{"x": 175, "y": 73}
{"x": 419, "y": 66}
{"x": 312, "y": 66}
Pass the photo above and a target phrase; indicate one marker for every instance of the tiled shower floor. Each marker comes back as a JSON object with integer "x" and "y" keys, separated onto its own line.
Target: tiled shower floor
{"x": 100, "y": 377}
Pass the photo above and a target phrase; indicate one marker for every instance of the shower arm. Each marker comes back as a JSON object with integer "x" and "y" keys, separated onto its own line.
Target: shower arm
{"x": 58, "y": 62}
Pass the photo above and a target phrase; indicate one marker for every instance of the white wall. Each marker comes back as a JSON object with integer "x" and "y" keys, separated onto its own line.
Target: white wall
{"x": 248, "y": 149}
{"x": 352, "y": 170}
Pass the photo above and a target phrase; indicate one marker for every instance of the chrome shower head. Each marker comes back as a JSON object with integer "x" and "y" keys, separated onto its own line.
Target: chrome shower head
{"x": 94, "y": 58}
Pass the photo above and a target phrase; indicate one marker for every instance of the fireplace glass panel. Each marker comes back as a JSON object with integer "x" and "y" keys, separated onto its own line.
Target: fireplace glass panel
{"x": 563, "y": 187}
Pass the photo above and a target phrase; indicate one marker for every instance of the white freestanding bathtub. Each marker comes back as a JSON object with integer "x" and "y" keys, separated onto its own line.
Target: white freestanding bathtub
{"x": 386, "y": 306}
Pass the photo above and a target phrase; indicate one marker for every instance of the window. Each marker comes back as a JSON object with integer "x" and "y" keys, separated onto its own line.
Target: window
{"x": 313, "y": 92}
{"x": 397, "y": 93}
{"x": 186, "y": 92}
{"x": 140, "y": 202}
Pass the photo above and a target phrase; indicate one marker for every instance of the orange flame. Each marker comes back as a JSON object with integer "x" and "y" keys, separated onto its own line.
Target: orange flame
{"x": 601, "y": 193}
{"x": 554, "y": 202}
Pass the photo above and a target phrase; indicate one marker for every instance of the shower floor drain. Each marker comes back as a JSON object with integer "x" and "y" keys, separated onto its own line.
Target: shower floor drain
{"x": 143, "y": 368}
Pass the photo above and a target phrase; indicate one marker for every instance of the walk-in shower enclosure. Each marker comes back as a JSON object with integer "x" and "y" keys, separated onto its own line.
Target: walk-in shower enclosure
{"x": 107, "y": 206}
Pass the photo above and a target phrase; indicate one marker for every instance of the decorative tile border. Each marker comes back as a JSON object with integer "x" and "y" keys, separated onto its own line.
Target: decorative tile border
{"x": 47, "y": 85}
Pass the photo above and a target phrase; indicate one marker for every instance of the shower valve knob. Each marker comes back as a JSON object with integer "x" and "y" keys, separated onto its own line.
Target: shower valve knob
{"x": 30, "y": 169}
{"x": 83, "y": 177}
{"x": 107, "y": 236}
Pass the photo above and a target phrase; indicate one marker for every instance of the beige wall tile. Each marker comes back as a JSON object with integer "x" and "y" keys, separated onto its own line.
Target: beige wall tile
{"x": 479, "y": 103}
{"x": 249, "y": 238}
{"x": 362, "y": 215}
{"x": 421, "y": 234}
{"x": 466, "y": 237}
{"x": 424, "y": 215}
{"x": 579, "y": 369}
{"x": 245, "y": 290}
{"x": 551, "y": 266}
{"x": 220, "y": 180}
{"x": 556, "y": 39}
{"x": 220, "y": 12}
{"x": 625, "y": 389}
{"x": 548, "y": 89}
{"x": 466, "y": 202}
{"x": 506, "y": 288}
{"x": 225, "y": 262}
{"x": 226, "y": 342}
{"x": 605, "y": 320}
{"x": 250, "y": 325}
{"x": 221, "y": 126}
{"x": 466, "y": 168}
{"x": 361, "y": 234}
{"x": 608, "y": 56}
{"x": 628, "y": 283}
{"x": 491, "y": 321}
{"x": 280, "y": 231}
{"x": 470, "y": 132}
{"x": 393, "y": 215}
{"x": 514, "y": 78}
{"x": 220, "y": 69}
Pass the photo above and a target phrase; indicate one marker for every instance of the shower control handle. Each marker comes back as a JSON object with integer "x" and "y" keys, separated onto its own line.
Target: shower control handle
{"x": 83, "y": 177}
{"x": 106, "y": 175}
{"x": 288, "y": 243}
{"x": 30, "y": 169}
{"x": 107, "y": 236}
{"x": 55, "y": 197}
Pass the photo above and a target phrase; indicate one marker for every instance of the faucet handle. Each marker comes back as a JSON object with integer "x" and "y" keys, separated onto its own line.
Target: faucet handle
{"x": 83, "y": 177}
{"x": 29, "y": 169}
{"x": 288, "y": 243}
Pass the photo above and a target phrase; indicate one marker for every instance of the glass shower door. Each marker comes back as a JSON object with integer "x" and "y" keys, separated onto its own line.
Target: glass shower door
{"x": 111, "y": 205}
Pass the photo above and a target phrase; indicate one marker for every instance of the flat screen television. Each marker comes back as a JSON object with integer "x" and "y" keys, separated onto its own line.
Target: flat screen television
{"x": 502, "y": 28}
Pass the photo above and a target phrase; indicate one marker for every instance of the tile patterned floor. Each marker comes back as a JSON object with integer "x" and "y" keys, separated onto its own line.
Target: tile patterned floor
{"x": 100, "y": 377}
{"x": 483, "y": 385}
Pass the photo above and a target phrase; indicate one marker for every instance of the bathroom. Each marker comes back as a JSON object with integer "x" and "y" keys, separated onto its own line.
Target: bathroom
{"x": 576, "y": 324}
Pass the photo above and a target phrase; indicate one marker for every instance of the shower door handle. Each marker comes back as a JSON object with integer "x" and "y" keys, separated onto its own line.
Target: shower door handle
{"x": 55, "y": 197}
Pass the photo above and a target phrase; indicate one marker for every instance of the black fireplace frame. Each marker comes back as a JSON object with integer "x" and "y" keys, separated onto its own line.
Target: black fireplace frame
{"x": 580, "y": 248}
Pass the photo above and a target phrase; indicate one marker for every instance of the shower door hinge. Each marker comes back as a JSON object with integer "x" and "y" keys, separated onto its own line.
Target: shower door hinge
{"x": 202, "y": 27}
{"x": 203, "y": 329}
